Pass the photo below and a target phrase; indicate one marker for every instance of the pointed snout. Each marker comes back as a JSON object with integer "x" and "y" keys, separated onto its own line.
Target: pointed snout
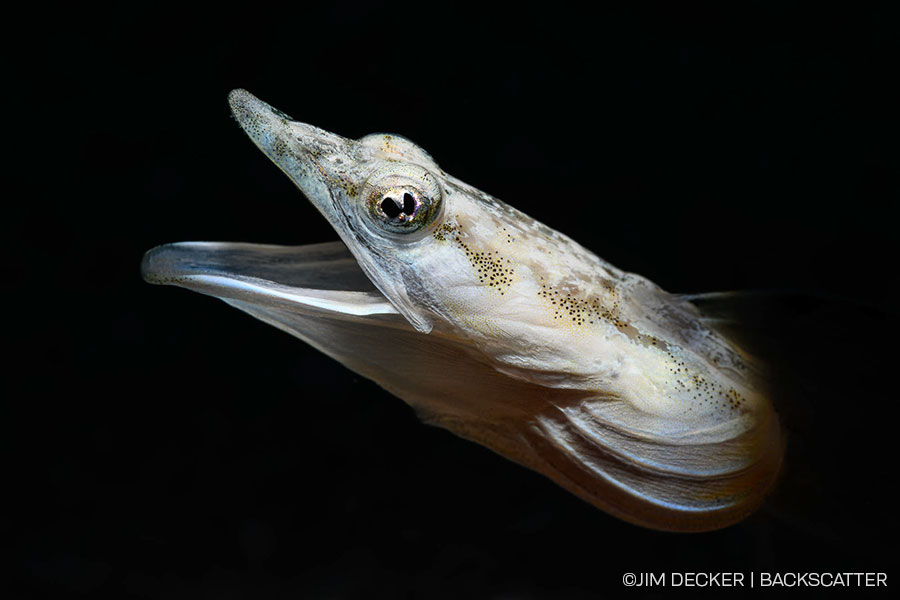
{"x": 251, "y": 112}
{"x": 276, "y": 133}
{"x": 315, "y": 159}
{"x": 268, "y": 127}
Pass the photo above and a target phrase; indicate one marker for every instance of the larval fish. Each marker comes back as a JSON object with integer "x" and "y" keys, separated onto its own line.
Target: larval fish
{"x": 500, "y": 329}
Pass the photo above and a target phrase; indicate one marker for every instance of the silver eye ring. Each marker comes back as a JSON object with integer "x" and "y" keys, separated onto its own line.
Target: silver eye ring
{"x": 401, "y": 198}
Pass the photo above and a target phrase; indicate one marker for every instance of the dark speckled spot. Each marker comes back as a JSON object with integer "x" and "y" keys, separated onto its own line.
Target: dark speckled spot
{"x": 492, "y": 269}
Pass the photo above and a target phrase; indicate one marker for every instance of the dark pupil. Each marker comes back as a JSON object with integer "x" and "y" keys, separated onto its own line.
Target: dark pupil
{"x": 391, "y": 207}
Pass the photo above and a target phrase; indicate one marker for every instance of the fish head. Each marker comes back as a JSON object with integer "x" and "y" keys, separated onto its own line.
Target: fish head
{"x": 382, "y": 194}
{"x": 428, "y": 242}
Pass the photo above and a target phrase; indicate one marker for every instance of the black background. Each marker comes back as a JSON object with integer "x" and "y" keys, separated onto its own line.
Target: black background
{"x": 161, "y": 444}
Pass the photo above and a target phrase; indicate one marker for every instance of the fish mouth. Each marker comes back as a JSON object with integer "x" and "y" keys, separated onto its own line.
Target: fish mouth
{"x": 334, "y": 280}
{"x": 315, "y": 279}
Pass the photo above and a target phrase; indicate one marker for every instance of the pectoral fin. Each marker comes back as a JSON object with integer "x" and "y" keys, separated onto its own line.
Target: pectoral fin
{"x": 675, "y": 487}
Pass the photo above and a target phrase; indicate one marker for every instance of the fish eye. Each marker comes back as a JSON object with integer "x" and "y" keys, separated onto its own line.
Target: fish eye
{"x": 402, "y": 198}
{"x": 392, "y": 207}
